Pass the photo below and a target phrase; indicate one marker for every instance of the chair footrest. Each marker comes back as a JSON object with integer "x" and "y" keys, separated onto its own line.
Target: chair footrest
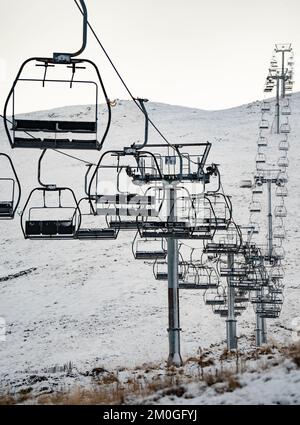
{"x": 23, "y": 142}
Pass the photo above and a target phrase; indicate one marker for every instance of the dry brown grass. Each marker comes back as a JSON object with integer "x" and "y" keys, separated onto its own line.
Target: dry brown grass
{"x": 7, "y": 400}
{"x": 112, "y": 394}
{"x": 293, "y": 352}
{"x": 152, "y": 381}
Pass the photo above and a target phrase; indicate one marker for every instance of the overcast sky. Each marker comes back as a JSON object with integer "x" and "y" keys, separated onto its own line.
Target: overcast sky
{"x": 208, "y": 54}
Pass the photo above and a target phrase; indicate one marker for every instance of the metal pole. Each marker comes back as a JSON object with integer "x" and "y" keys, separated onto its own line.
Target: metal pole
{"x": 231, "y": 321}
{"x": 66, "y": 57}
{"x": 173, "y": 288}
{"x": 258, "y": 325}
{"x": 283, "y": 78}
{"x": 263, "y": 327}
{"x": 277, "y": 106}
{"x": 270, "y": 220}
{"x": 263, "y": 331}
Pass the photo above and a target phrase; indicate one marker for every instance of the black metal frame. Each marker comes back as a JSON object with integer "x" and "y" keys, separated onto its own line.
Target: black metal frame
{"x": 140, "y": 173}
{"x": 59, "y": 234}
{"x": 53, "y": 143}
{"x": 97, "y": 233}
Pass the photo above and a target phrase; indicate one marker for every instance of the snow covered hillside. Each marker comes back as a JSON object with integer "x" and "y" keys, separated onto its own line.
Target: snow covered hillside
{"x": 91, "y": 303}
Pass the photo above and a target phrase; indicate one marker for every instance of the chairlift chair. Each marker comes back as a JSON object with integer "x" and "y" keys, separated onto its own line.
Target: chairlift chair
{"x": 240, "y": 307}
{"x": 278, "y": 252}
{"x": 207, "y": 277}
{"x": 246, "y": 184}
{"x": 285, "y": 128}
{"x": 10, "y": 192}
{"x": 286, "y": 110}
{"x": 160, "y": 270}
{"x": 274, "y": 62}
{"x": 262, "y": 142}
{"x": 241, "y": 298}
{"x": 60, "y": 220}
{"x": 88, "y": 231}
{"x": 191, "y": 278}
{"x": 276, "y": 290}
{"x": 268, "y": 88}
{"x": 283, "y": 162}
{"x": 265, "y": 107}
{"x": 284, "y": 145}
{"x": 276, "y": 273}
{"x": 56, "y": 133}
{"x": 264, "y": 124}
{"x": 283, "y": 177}
{"x": 255, "y": 207}
{"x": 281, "y": 191}
{"x": 238, "y": 271}
{"x": 220, "y": 210}
{"x": 260, "y": 158}
{"x": 224, "y": 312}
{"x": 198, "y": 278}
{"x": 280, "y": 211}
{"x": 216, "y": 300}
{"x": 257, "y": 190}
{"x": 126, "y": 211}
{"x": 148, "y": 249}
{"x": 279, "y": 232}
{"x": 270, "y": 312}
{"x": 254, "y": 228}
{"x": 246, "y": 284}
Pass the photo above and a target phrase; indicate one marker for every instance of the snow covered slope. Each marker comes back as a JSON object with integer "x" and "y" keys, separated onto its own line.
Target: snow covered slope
{"x": 91, "y": 302}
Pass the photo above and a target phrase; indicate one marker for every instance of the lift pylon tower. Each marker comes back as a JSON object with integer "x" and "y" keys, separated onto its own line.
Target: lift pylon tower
{"x": 279, "y": 76}
{"x": 269, "y": 257}
{"x": 283, "y": 49}
{"x": 231, "y": 320}
{"x": 173, "y": 285}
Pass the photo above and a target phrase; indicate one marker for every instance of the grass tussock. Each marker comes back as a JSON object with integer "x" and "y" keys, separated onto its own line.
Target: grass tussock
{"x": 293, "y": 352}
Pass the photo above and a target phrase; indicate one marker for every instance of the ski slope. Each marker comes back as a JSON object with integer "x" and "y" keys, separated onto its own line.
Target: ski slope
{"x": 90, "y": 302}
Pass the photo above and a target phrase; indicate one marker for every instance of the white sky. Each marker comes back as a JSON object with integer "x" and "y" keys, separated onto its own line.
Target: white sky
{"x": 209, "y": 54}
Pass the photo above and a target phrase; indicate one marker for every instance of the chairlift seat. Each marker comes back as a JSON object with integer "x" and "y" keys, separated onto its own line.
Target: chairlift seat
{"x": 240, "y": 308}
{"x": 202, "y": 286}
{"x": 241, "y": 299}
{"x": 224, "y": 313}
{"x": 269, "y": 315}
{"x": 164, "y": 276}
{"x": 65, "y": 227}
{"x": 96, "y": 234}
{"x": 285, "y": 129}
{"x": 128, "y": 212}
{"x": 124, "y": 225}
{"x": 161, "y": 276}
{"x": 131, "y": 199}
{"x": 215, "y": 302}
{"x": 6, "y": 209}
{"x": 232, "y": 272}
{"x": 55, "y": 126}
{"x": 37, "y": 143}
{"x": 33, "y": 228}
{"x": 147, "y": 255}
{"x": 264, "y": 125}
{"x": 49, "y": 227}
{"x": 214, "y": 248}
{"x": 246, "y": 286}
